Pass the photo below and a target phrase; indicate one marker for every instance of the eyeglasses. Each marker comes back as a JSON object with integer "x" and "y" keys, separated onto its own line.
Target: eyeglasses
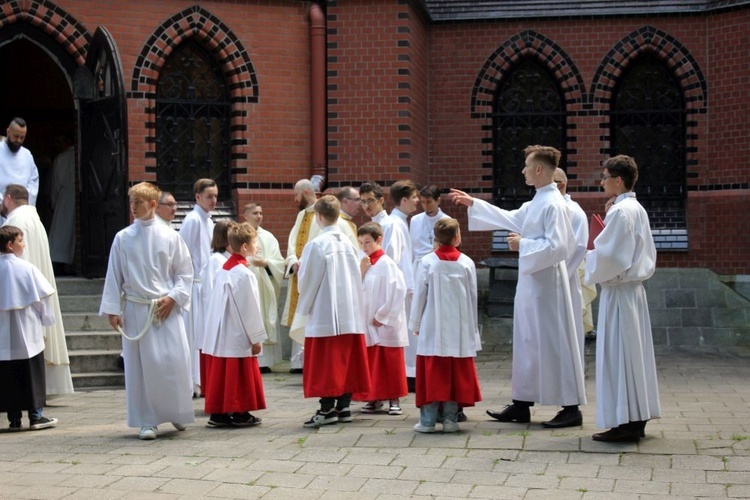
{"x": 355, "y": 200}
{"x": 368, "y": 201}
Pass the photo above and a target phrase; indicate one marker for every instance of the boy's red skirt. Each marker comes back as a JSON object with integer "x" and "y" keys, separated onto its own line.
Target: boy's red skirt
{"x": 447, "y": 379}
{"x": 234, "y": 385}
{"x": 335, "y": 365}
{"x": 387, "y": 374}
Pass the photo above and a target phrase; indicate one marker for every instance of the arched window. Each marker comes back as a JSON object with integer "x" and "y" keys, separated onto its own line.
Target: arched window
{"x": 192, "y": 122}
{"x": 648, "y": 123}
{"x": 528, "y": 109}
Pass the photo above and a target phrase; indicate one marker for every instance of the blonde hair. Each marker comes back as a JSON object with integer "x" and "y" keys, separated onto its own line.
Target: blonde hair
{"x": 445, "y": 230}
{"x": 328, "y": 207}
{"x": 144, "y": 191}
{"x": 240, "y": 234}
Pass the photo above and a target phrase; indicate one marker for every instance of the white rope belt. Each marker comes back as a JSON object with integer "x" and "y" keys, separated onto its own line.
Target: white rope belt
{"x": 149, "y": 321}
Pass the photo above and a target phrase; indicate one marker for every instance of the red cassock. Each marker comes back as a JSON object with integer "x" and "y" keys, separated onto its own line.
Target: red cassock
{"x": 387, "y": 374}
{"x": 335, "y": 365}
{"x": 235, "y": 385}
{"x": 447, "y": 379}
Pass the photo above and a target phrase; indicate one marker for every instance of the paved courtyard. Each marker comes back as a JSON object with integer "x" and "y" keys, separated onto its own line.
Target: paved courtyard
{"x": 699, "y": 449}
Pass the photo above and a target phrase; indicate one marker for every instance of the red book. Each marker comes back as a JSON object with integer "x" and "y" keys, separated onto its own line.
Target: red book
{"x": 596, "y": 225}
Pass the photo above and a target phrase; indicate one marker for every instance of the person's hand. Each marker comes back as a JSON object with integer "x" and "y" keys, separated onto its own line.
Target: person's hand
{"x": 416, "y": 334}
{"x": 514, "y": 241}
{"x": 164, "y": 307}
{"x": 365, "y": 264}
{"x": 295, "y": 267}
{"x": 609, "y": 204}
{"x": 258, "y": 262}
{"x": 376, "y": 322}
{"x": 115, "y": 321}
{"x": 460, "y": 198}
{"x": 256, "y": 348}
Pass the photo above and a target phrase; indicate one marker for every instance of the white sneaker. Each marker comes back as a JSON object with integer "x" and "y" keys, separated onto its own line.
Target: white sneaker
{"x": 147, "y": 432}
{"x": 449, "y": 426}
{"x": 179, "y": 427}
{"x": 424, "y": 429}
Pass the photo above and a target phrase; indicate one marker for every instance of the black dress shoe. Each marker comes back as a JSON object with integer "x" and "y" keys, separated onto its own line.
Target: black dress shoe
{"x": 620, "y": 434}
{"x": 512, "y": 413}
{"x": 565, "y": 418}
{"x": 296, "y": 371}
{"x": 265, "y": 369}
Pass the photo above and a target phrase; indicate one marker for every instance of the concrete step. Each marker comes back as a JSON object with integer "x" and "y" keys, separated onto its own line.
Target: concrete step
{"x": 93, "y": 340}
{"x": 98, "y": 380}
{"x": 80, "y": 303}
{"x": 93, "y": 360}
{"x": 85, "y": 322}
{"x": 67, "y": 285}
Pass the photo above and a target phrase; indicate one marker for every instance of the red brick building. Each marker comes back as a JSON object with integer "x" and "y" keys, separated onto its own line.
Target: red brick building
{"x": 261, "y": 93}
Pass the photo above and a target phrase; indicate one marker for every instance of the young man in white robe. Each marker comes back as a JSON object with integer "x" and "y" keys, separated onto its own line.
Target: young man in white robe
{"x": 234, "y": 338}
{"x": 268, "y": 266}
{"x": 330, "y": 287}
{"x": 19, "y": 213}
{"x": 24, "y": 309}
{"x": 149, "y": 279}
{"x": 304, "y": 231}
{"x": 421, "y": 225}
{"x": 196, "y": 230}
{"x": 547, "y": 364}
{"x": 16, "y": 162}
{"x": 444, "y": 319}
{"x": 624, "y": 256}
{"x": 386, "y": 335}
{"x": 580, "y": 224}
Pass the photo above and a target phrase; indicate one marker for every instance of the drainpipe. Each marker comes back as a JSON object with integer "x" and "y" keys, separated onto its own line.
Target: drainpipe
{"x": 318, "y": 96}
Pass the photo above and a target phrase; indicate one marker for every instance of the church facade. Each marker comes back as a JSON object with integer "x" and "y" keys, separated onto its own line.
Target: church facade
{"x": 260, "y": 93}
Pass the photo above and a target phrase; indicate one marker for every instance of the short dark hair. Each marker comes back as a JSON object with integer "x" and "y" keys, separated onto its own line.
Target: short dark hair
{"x": 220, "y": 239}
{"x": 401, "y": 190}
{"x": 546, "y": 155}
{"x": 202, "y": 184}
{"x": 624, "y": 167}
{"x": 445, "y": 230}
{"x": 20, "y": 122}
{"x": 8, "y": 234}
{"x": 372, "y": 228}
{"x": 371, "y": 187}
{"x": 430, "y": 191}
{"x": 17, "y": 193}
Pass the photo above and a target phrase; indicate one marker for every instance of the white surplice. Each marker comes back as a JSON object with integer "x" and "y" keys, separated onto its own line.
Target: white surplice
{"x": 547, "y": 364}
{"x": 208, "y": 278}
{"x": 445, "y": 315}
{"x": 580, "y": 224}
{"x": 624, "y": 256}
{"x": 197, "y": 231}
{"x": 62, "y": 230}
{"x": 422, "y": 232}
{"x": 330, "y": 287}
{"x": 148, "y": 261}
{"x": 297, "y": 325}
{"x": 384, "y": 293}
{"x": 234, "y": 321}
{"x": 57, "y": 363}
{"x": 269, "y": 288}
{"x": 18, "y": 168}
{"x": 25, "y": 307}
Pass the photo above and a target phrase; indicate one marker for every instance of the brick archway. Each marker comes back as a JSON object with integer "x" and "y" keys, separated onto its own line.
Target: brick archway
{"x": 211, "y": 32}
{"x": 524, "y": 44}
{"x": 667, "y": 48}
{"x": 66, "y": 30}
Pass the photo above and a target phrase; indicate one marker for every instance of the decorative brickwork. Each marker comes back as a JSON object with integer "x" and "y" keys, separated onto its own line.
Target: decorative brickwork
{"x": 52, "y": 20}
{"x": 221, "y": 42}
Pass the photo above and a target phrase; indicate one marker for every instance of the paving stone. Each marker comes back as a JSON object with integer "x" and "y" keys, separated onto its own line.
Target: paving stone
{"x": 504, "y": 493}
{"x": 389, "y": 486}
{"x": 188, "y": 487}
{"x": 451, "y": 490}
{"x": 644, "y": 487}
{"x": 238, "y": 491}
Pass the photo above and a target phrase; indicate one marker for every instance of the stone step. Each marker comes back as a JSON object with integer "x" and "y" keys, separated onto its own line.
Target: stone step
{"x": 93, "y": 360}
{"x": 80, "y": 303}
{"x": 93, "y": 340}
{"x": 79, "y": 286}
{"x": 85, "y": 322}
{"x": 98, "y": 380}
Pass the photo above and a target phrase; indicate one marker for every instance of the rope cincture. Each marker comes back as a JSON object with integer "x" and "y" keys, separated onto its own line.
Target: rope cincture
{"x": 149, "y": 321}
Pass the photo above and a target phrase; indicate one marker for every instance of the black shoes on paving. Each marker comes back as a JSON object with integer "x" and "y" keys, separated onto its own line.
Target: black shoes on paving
{"x": 512, "y": 413}
{"x": 631, "y": 432}
{"x": 567, "y": 417}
